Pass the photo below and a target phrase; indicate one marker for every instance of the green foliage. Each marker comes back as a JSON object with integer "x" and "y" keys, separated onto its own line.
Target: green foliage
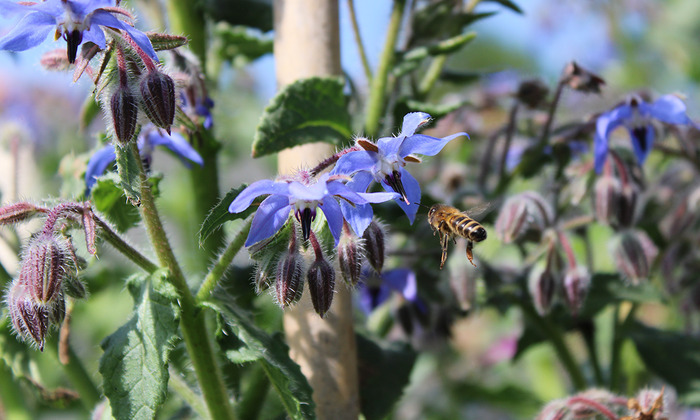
{"x": 251, "y": 13}
{"x": 240, "y": 45}
{"x": 272, "y": 353}
{"x": 108, "y": 198}
{"x": 220, "y": 214}
{"x": 384, "y": 373}
{"x": 410, "y": 60}
{"x": 306, "y": 111}
{"x": 673, "y": 356}
{"x": 135, "y": 360}
{"x": 129, "y": 178}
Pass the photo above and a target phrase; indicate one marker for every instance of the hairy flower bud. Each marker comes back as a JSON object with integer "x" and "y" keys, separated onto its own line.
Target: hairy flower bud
{"x": 321, "y": 278}
{"x": 542, "y": 285}
{"x": 607, "y": 196}
{"x": 349, "y": 258}
{"x": 375, "y": 245}
{"x": 45, "y": 264}
{"x": 289, "y": 283}
{"x": 633, "y": 253}
{"x": 158, "y": 94}
{"x": 577, "y": 281}
{"x": 521, "y": 214}
{"x": 532, "y": 93}
{"x": 18, "y": 212}
{"x": 31, "y": 319}
{"x": 124, "y": 111}
{"x": 73, "y": 287}
{"x": 578, "y": 78}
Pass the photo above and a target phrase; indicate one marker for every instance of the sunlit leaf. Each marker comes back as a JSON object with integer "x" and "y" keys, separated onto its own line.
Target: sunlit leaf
{"x": 220, "y": 214}
{"x": 239, "y": 44}
{"x": 108, "y": 198}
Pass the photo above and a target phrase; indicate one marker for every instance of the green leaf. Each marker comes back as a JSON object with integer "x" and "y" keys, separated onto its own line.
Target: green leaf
{"x": 88, "y": 112}
{"x": 437, "y": 111}
{"x": 410, "y": 60}
{"x": 129, "y": 173}
{"x": 108, "y": 198}
{"x": 252, "y": 13}
{"x": 135, "y": 360}
{"x": 507, "y": 3}
{"x": 673, "y": 356}
{"x": 239, "y": 44}
{"x": 306, "y": 111}
{"x": 273, "y": 355}
{"x": 384, "y": 373}
{"x": 162, "y": 41}
{"x": 220, "y": 214}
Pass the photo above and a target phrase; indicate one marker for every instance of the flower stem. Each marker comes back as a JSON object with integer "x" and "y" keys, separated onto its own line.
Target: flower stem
{"x": 78, "y": 375}
{"x": 179, "y": 385}
{"x": 13, "y": 401}
{"x": 555, "y": 338}
{"x": 431, "y": 75}
{"x": 194, "y": 331}
{"x": 122, "y": 246}
{"x": 550, "y": 117}
{"x": 378, "y": 90}
{"x": 218, "y": 270}
{"x": 358, "y": 41}
{"x": 187, "y": 17}
{"x": 510, "y": 129}
{"x": 618, "y": 339}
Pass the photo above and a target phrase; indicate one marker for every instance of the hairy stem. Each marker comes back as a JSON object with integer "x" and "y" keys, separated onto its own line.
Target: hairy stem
{"x": 431, "y": 76}
{"x": 218, "y": 270}
{"x": 550, "y": 116}
{"x": 618, "y": 339}
{"x": 358, "y": 41}
{"x": 177, "y": 384}
{"x": 378, "y": 89}
{"x": 122, "y": 246}
{"x": 192, "y": 324}
{"x": 13, "y": 401}
{"x": 187, "y": 17}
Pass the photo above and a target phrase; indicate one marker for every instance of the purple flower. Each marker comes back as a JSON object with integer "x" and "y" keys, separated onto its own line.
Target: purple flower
{"x": 637, "y": 116}
{"x": 200, "y": 107}
{"x": 148, "y": 139}
{"x": 376, "y": 289}
{"x": 384, "y": 162}
{"x": 304, "y": 194}
{"x": 75, "y": 20}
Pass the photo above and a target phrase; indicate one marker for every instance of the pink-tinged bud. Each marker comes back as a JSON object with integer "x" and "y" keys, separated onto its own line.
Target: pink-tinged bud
{"x": 349, "y": 258}
{"x": 521, "y": 214}
{"x": 321, "y": 279}
{"x": 532, "y": 93}
{"x": 577, "y": 281}
{"x": 73, "y": 287}
{"x": 124, "y": 109}
{"x": 578, "y": 78}
{"x": 633, "y": 253}
{"x": 45, "y": 264}
{"x": 649, "y": 404}
{"x": 542, "y": 285}
{"x": 55, "y": 60}
{"x": 375, "y": 248}
{"x": 29, "y": 320}
{"x": 18, "y": 212}
{"x": 289, "y": 283}
{"x": 607, "y": 195}
{"x": 158, "y": 94}
{"x": 90, "y": 229}
{"x": 627, "y": 205}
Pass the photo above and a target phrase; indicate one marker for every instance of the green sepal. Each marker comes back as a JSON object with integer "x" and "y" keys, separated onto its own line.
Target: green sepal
{"x": 306, "y": 111}
{"x": 129, "y": 173}
{"x": 161, "y": 41}
{"x": 411, "y": 59}
{"x": 239, "y": 44}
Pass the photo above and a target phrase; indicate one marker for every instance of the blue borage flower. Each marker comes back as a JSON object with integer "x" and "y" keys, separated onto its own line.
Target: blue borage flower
{"x": 304, "y": 194}
{"x": 76, "y": 21}
{"x": 384, "y": 162}
{"x": 637, "y": 116}
{"x": 147, "y": 140}
{"x": 376, "y": 289}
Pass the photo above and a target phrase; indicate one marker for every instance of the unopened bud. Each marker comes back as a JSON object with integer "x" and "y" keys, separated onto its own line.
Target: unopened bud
{"x": 649, "y": 404}
{"x": 55, "y": 60}
{"x": 627, "y": 205}
{"x": 45, "y": 264}
{"x": 29, "y": 320}
{"x": 321, "y": 278}
{"x": 633, "y": 252}
{"x": 577, "y": 281}
{"x": 158, "y": 93}
{"x": 607, "y": 196}
{"x": 542, "y": 285}
{"x": 349, "y": 258}
{"x": 578, "y": 78}
{"x": 73, "y": 287}
{"x": 375, "y": 245}
{"x": 124, "y": 114}
{"x": 521, "y": 214}
{"x": 90, "y": 229}
{"x": 289, "y": 283}
{"x": 532, "y": 93}
{"x": 18, "y": 212}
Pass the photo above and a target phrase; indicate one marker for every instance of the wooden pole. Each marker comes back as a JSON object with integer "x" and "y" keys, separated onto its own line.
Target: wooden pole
{"x": 306, "y": 45}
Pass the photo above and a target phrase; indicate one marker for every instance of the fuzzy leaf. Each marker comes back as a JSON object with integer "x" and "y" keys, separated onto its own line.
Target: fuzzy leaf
{"x": 306, "y": 111}
{"x": 437, "y": 111}
{"x": 508, "y": 4}
{"x": 384, "y": 373}
{"x": 273, "y": 355}
{"x": 108, "y": 198}
{"x": 129, "y": 174}
{"x": 240, "y": 44}
{"x": 412, "y": 59}
{"x": 135, "y": 360}
{"x": 251, "y": 13}
{"x": 673, "y": 356}
{"x": 220, "y": 214}
{"x": 162, "y": 41}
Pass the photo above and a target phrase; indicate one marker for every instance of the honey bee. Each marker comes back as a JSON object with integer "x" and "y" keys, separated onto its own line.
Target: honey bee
{"x": 450, "y": 222}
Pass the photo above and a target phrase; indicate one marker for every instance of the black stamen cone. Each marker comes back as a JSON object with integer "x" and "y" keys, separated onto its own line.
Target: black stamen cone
{"x": 305, "y": 219}
{"x": 640, "y": 133}
{"x": 394, "y": 181}
{"x": 73, "y": 40}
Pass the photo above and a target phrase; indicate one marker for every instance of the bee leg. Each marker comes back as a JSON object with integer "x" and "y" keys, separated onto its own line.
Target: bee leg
{"x": 470, "y": 255}
{"x": 444, "y": 240}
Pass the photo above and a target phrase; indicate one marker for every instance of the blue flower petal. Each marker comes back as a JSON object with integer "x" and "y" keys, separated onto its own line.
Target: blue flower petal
{"x": 177, "y": 144}
{"x": 334, "y": 216}
{"x": 97, "y": 165}
{"x": 256, "y": 189}
{"x": 425, "y": 145}
{"x": 352, "y": 162}
{"x": 371, "y": 297}
{"x": 412, "y": 188}
{"x": 412, "y": 121}
{"x": 403, "y": 281}
{"x": 29, "y": 32}
{"x": 642, "y": 146}
{"x": 313, "y": 192}
{"x": 379, "y": 197}
{"x": 95, "y": 35}
{"x": 606, "y": 123}
{"x": 668, "y": 108}
{"x": 390, "y": 146}
{"x": 358, "y": 217}
{"x": 340, "y": 189}
{"x": 104, "y": 18}
{"x": 269, "y": 218}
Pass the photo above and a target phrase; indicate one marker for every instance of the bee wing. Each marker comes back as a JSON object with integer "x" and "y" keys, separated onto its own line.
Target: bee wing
{"x": 481, "y": 210}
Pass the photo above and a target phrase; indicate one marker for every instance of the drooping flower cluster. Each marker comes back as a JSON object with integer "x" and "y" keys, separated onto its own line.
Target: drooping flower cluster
{"x": 342, "y": 197}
